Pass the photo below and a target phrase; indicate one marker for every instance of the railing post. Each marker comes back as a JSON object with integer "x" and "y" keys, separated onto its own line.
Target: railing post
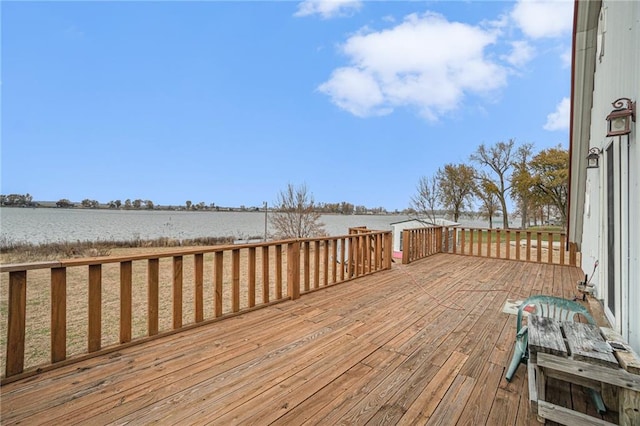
{"x": 387, "y": 250}
{"x": 325, "y": 260}
{"x": 378, "y": 256}
{"x": 58, "y": 314}
{"x": 406, "y": 244}
{"x": 306, "y": 248}
{"x": 177, "y": 292}
{"x": 218, "y": 261}
{"x": 539, "y": 247}
{"x": 508, "y": 245}
{"x": 126, "y": 271}
{"x": 334, "y": 263}
{"x": 235, "y": 280}
{"x": 153, "y": 295}
{"x": 198, "y": 279}
{"x": 446, "y": 239}
{"x": 343, "y": 257}
{"x": 455, "y": 240}
{"x": 17, "y": 322}
{"x": 95, "y": 307}
{"x": 316, "y": 264}
{"x": 251, "y": 271}
{"x": 265, "y": 274}
{"x": 293, "y": 270}
{"x": 278, "y": 271}
{"x": 573, "y": 258}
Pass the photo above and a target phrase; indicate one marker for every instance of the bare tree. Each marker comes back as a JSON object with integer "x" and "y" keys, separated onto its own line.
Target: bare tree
{"x": 425, "y": 202}
{"x": 498, "y": 159}
{"x": 457, "y": 186}
{"x": 295, "y": 215}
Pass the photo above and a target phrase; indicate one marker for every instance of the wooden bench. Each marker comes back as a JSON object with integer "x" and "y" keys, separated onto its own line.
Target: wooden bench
{"x": 584, "y": 358}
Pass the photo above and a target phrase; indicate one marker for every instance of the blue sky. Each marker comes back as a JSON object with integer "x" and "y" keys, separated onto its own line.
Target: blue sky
{"x": 228, "y": 102}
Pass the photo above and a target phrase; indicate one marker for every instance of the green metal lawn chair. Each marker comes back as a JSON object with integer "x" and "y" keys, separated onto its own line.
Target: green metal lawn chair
{"x": 549, "y": 307}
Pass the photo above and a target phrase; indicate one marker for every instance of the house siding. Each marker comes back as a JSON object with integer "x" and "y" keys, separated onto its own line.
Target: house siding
{"x": 616, "y": 75}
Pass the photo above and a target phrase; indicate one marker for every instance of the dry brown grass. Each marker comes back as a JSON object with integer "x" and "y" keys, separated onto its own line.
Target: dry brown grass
{"x": 38, "y": 345}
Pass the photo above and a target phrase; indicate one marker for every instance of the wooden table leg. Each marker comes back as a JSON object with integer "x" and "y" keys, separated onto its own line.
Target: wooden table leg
{"x": 629, "y": 407}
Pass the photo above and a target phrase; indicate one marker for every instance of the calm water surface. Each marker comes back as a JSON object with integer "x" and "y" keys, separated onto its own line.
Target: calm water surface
{"x": 50, "y": 225}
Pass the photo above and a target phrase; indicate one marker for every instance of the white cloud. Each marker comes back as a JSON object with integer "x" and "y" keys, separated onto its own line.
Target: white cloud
{"x": 328, "y": 8}
{"x": 521, "y": 53}
{"x": 425, "y": 62}
{"x": 355, "y": 91}
{"x": 559, "y": 120}
{"x": 544, "y": 18}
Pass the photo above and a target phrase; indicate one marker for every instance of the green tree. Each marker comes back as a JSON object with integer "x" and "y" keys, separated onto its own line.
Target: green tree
{"x": 346, "y": 208}
{"x": 294, "y": 214}
{"x": 64, "y": 203}
{"x": 490, "y": 204}
{"x": 188, "y": 204}
{"x": 522, "y": 182}
{"x": 497, "y": 159}
{"x": 456, "y": 185}
{"x": 550, "y": 170}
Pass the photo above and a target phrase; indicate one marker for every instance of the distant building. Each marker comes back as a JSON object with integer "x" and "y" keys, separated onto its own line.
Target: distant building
{"x": 398, "y": 227}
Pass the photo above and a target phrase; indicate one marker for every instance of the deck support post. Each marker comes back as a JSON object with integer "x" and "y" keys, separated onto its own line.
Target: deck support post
{"x": 293, "y": 269}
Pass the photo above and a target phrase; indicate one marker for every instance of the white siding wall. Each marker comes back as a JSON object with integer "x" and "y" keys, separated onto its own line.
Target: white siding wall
{"x": 617, "y": 75}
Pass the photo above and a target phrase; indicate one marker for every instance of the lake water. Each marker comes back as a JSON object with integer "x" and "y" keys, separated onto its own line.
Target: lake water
{"x": 53, "y": 225}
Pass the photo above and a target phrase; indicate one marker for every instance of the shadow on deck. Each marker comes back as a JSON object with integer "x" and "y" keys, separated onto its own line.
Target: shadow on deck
{"x": 423, "y": 343}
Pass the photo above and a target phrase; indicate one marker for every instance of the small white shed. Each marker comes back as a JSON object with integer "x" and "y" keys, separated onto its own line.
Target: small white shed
{"x": 398, "y": 227}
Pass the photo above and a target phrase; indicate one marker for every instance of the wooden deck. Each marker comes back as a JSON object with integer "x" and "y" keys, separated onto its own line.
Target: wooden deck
{"x": 425, "y": 343}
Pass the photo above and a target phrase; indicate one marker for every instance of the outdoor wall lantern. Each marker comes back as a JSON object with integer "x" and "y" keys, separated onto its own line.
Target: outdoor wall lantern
{"x": 619, "y": 121}
{"x": 593, "y": 158}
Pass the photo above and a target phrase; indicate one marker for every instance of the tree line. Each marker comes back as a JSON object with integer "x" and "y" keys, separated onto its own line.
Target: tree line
{"x": 26, "y": 200}
{"x": 537, "y": 183}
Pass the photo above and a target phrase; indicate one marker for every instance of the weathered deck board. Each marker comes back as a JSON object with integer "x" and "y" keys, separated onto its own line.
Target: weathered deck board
{"x": 425, "y": 343}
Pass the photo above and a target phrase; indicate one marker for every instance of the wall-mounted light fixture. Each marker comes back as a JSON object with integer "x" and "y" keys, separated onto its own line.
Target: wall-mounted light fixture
{"x": 619, "y": 121}
{"x": 593, "y": 158}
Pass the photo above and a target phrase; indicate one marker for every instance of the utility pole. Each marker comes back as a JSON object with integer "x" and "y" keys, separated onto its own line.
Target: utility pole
{"x": 265, "y": 221}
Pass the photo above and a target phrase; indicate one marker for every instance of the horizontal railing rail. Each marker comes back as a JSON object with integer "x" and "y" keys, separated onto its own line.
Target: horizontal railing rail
{"x": 514, "y": 244}
{"x": 64, "y": 311}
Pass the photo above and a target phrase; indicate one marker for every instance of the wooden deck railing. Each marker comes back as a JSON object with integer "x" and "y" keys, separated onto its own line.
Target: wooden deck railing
{"x": 421, "y": 242}
{"x": 114, "y": 302}
{"x": 530, "y": 246}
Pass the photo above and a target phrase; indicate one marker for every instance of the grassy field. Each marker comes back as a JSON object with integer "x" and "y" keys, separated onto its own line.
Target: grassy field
{"x": 38, "y": 339}
{"x": 20, "y": 252}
